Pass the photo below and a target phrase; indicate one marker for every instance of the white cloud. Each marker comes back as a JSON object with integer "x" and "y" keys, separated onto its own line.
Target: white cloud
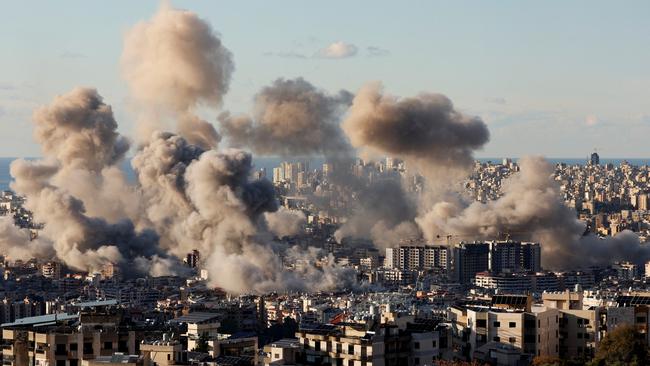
{"x": 338, "y": 50}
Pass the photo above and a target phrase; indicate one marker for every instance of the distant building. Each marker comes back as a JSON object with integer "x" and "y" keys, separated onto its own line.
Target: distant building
{"x": 278, "y": 175}
{"x": 109, "y": 270}
{"x": 193, "y": 259}
{"x": 595, "y": 159}
{"x": 531, "y": 257}
{"x": 51, "y": 270}
{"x": 418, "y": 257}
{"x": 470, "y": 259}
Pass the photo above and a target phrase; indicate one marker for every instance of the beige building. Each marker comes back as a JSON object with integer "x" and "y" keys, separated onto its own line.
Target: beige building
{"x": 282, "y": 352}
{"x": 162, "y": 353}
{"x": 200, "y": 324}
{"x": 56, "y": 339}
{"x": 509, "y": 320}
{"x": 579, "y": 327}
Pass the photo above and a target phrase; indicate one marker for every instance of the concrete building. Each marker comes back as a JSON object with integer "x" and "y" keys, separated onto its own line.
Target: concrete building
{"x": 470, "y": 259}
{"x": 51, "y": 270}
{"x": 509, "y": 320}
{"x": 282, "y": 352}
{"x": 351, "y": 344}
{"x": 163, "y": 353}
{"x": 199, "y": 324}
{"x": 52, "y": 340}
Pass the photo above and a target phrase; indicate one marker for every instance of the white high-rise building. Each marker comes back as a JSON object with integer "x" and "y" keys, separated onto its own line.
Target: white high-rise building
{"x": 278, "y": 175}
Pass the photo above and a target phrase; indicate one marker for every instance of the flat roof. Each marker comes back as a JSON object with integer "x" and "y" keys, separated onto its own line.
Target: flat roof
{"x": 196, "y": 317}
{"x": 40, "y": 320}
{"x": 286, "y": 343}
{"x": 92, "y": 304}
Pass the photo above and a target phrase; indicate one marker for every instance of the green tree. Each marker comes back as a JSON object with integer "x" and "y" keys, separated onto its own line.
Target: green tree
{"x": 621, "y": 347}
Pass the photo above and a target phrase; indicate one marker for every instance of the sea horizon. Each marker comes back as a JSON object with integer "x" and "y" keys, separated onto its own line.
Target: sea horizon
{"x": 269, "y": 163}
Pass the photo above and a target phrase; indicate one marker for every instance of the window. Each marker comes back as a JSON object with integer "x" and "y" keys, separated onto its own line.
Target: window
{"x": 108, "y": 345}
{"x": 122, "y": 346}
{"x": 417, "y": 360}
{"x": 60, "y": 349}
{"x": 512, "y": 324}
{"x": 169, "y": 357}
{"x": 640, "y": 319}
{"x": 350, "y": 349}
{"x": 579, "y": 335}
{"x": 317, "y": 345}
{"x": 416, "y": 345}
{"x": 496, "y": 324}
{"x": 88, "y": 348}
{"x": 496, "y": 339}
{"x": 434, "y": 344}
{"x": 481, "y": 323}
{"x": 586, "y": 321}
{"x": 529, "y": 338}
{"x": 512, "y": 340}
{"x": 276, "y": 356}
{"x": 73, "y": 347}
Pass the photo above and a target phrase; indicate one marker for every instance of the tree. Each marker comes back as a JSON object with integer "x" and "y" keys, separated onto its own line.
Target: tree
{"x": 202, "y": 344}
{"x": 547, "y": 361}
{"x": 620, "y": 347}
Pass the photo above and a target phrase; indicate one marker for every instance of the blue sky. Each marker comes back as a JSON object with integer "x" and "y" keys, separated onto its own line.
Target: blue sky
{"x": 549, "y": 77}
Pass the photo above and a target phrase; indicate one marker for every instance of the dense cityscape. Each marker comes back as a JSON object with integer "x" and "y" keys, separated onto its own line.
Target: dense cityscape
{"x": 379, "y": 237}
{"x": 412, "y": 302}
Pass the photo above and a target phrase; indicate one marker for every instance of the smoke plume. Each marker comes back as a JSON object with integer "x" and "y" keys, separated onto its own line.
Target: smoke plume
{"x": 291, "y": 118}
{"x": 17, "y": 244}
{"x": 78, "y": 134}
{"x": 284, "y": 222}
{"x": 384, "y": 213}
{"x": 174, "y": 63}
{"x": 531, "y": 207}
{"x": 426, "y": 130}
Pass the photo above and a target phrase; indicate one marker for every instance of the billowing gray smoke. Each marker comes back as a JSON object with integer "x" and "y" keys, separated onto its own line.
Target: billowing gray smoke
{"x": 205, "y": 200}
{"x": 285, "y": 222}
{"x": 532, "y": 208}
{"x": 77, "y": 132}
{"x": 385, "y": 214}
{"x": 160, "y": 168}
{"x": 426, "y": 131}
{"x": 17, "y": 244}
{"x": 174, "y": 63}
{"x": 291, "y": 118}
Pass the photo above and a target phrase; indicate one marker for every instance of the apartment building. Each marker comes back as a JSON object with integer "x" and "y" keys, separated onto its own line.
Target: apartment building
{"x": 510, "y": 320}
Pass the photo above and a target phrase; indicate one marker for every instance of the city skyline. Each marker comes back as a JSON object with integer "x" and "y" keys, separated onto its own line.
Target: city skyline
{"x": 547, "y": 81}
{"x": 288, "y": 183}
